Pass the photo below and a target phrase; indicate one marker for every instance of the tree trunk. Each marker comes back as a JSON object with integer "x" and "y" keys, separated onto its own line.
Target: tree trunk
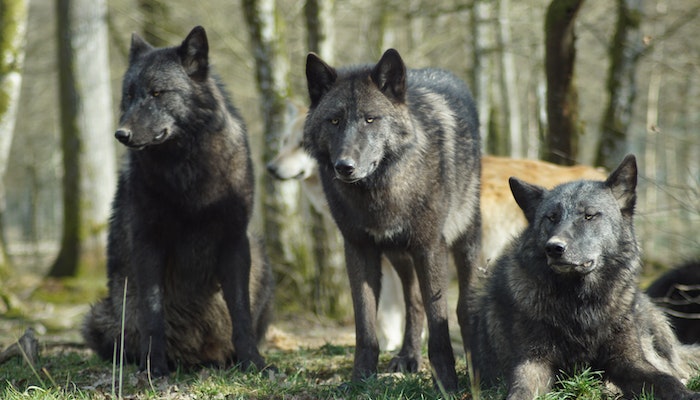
{"x": 562, "y": 97}
{"x": 89, "y": 167}
{"x": 13, "y": 25}
{"x": 625, "y": 50}
{"x": 509, "y": 87}
{"x": 482, "y": 68}
{"x": 286, "y": 236}
{"x": 319, "y": 28}
{"x": 330, "y": 295}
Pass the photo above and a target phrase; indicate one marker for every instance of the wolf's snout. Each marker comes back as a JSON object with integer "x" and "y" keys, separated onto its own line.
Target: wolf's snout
{"x": 272, "y": 170}
{"x": 123, "y": 136}
{"x": 555, "y": 248}
{"x": 344, "y": 167}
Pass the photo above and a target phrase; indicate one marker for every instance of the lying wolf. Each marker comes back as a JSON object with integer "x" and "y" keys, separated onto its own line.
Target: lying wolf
{"x": 565, "y": 294}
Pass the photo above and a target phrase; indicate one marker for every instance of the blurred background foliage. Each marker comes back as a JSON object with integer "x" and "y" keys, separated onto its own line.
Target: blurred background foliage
{"x": 633, "y": 85}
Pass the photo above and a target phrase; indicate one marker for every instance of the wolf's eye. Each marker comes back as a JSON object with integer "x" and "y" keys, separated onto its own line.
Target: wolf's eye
{"x": 553, "y": 217}
{"x": 335, "y": 121}
{"x": 589, "y": 216}
{"x": 369, "y": 120}
{"x": 155, "y": 93}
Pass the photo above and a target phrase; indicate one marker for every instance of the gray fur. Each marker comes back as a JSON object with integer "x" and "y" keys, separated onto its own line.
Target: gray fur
{"x": 564, "y": 294}
{"x": 178, "y": 231}
{"x": 399, "y": 159}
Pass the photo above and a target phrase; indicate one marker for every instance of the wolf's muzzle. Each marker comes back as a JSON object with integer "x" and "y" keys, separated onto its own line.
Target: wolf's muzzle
{"x": 123, "y": 136}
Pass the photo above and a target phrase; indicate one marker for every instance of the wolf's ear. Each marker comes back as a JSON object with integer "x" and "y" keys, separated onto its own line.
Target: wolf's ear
{"x": 527, "y": 196}
{"x": 194, "y": 54}
{"x": 390, "y": 76}
{"x": 319, "y": 77}
{"x": 623, "y": 184}
{"x": 138, "y": 47}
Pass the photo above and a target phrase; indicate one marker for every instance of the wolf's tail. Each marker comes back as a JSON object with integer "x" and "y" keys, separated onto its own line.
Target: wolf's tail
{"x": 102, "y": 331}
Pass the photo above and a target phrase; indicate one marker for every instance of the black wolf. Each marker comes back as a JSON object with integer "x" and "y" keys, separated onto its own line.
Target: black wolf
{"x": 565, "y": 295}
{"x": 399, "y": 159}
{"x": 198, "y": 288}
{"x": 677, "y": 292}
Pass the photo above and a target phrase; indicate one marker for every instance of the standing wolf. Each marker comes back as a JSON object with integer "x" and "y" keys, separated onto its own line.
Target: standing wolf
{"x": 398, "y": 155}
{"x": 198, "y": 288}
{"x": 565, "y": 294}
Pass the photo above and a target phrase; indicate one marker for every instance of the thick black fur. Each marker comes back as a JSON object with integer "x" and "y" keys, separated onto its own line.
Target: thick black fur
{"x": 564, "y": 295}
{"x": 399, "y": 158}
{"x": 197, "y": 287}
{"x": 677, "y": 292}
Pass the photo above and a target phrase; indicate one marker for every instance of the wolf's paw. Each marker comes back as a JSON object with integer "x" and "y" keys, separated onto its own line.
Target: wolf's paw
{"x": 255, "y": 363}
{"x": 404, "y": 364}
{"x": 155, "y": 371}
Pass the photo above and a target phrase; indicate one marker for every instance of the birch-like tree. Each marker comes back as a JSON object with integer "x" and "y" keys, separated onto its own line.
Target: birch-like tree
{"x": 13, "y": 25}
{"x": 562, "y": 96}
{"x": 330, "y": 295}
{"x": 287, "y": 240}
{"x": 508, "y": 83}
{"x": 482, "y": 38}
{"x": 87, "y": 141}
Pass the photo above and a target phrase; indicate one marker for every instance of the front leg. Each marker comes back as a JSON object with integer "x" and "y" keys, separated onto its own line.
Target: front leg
{"x": 234, "y": 275}
{"x": 529, "y": 379}
{"x": 466, "y": 253}
{"x": 431, "y": 265}
{"x": 363, "y": 262}
{"x": 630, "y": 371}
{"x": 149, "y": 267}
{"x": 408, "y": 359}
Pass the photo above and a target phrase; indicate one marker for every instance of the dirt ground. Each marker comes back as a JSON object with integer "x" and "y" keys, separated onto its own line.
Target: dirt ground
{"x": 57, "y": 325}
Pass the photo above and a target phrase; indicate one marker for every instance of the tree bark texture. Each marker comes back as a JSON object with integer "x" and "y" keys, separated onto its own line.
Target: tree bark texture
{"x": 562, "y": 96}
{"x": 319, "y": 28}
{"x": 509, "y": 87}
{"x": 330, "y": 296}
{"x": 13, "y": 26}
{"x": 286, "y": 235}
{"x": 86, "y": 115}
{"x": 625, "y": 50}
{"x": 482, "y": 37}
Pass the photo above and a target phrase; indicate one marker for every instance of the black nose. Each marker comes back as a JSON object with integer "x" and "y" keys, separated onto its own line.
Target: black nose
{"x": 272, "y": 170}
{"x": 344, "y": 167}
{"x": 123, "y": 135}
{"x": 555, "y": 248}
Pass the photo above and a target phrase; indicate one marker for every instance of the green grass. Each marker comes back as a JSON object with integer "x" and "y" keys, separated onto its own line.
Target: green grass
{"x": 318, "y": 373}
{"x": 303, "y": 374}
{"x": 584, "y": 385}
{"x": 68, "y": 371}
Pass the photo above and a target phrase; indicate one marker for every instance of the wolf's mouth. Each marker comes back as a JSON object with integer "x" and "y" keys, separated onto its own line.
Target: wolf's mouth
{"x": 347, "y": 179}
{"x": 565, "y": 268}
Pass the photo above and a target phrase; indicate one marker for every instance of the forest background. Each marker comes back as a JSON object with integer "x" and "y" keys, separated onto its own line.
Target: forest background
{"x": 635, "y": 88}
